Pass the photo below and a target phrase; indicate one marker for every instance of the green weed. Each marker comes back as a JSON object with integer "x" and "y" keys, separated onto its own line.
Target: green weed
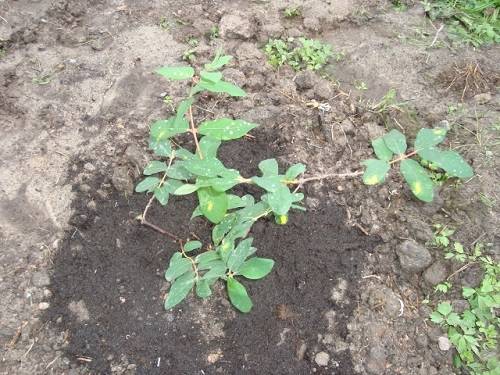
{"x": 299, "y": 53}
{"x": 292, "y": 12}
{"x": 474, "y": 332}
{"x": 473, "y": 21}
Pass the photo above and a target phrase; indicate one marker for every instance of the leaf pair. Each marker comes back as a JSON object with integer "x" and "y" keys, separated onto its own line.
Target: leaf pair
{"x": 417, "y": 177}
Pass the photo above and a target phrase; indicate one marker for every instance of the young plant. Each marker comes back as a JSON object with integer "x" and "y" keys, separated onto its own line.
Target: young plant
{"x": 230, "y": 256}
{"x": 292, "y": 12}
{"x": 299, "y": 54}
{"x": 474, "y": 332}
{"x": 391, "y": 149}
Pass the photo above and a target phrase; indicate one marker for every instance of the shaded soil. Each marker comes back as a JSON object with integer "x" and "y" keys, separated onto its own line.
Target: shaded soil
{"x": 115, "y": 266}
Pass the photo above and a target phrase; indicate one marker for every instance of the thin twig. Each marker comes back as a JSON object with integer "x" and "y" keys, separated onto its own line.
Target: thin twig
{"x": 146, "y": 209}
{"x": 436, "y": 36}
{"x": 329, "y": 175}
{"x": 461, "y": 269}
{"x": 193, "y": 131}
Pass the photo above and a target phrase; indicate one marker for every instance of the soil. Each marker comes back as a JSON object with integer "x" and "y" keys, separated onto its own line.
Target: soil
{"x": 82, "y": 282}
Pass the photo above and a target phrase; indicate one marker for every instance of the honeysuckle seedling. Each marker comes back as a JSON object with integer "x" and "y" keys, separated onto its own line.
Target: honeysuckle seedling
{"x": 230, "y": 256}
{"x": 392, "y": 148}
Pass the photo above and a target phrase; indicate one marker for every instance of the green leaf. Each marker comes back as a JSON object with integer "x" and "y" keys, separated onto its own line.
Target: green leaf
{"x": 375, "y": 172}
{"x": 418, "y": 180}
{"x": 381, "y": 150}
{"x": 178, "y": 171}
{"x": 280, "y": 201}
{"x": 164, "y": 129}
{"x": 185, "y": 189}
{"x": 228, "y": 179}
{"x": 238, "y": 295}
{"x": 160, "y": 147}
{"x": 203, "y": 288}
{"x": 226, "y": 128}
{"x": 213, "y": 77}
{"x": 162, "y": 194}
{"x": 453, "y": 319}
{"x": 256, "y": 268}
{"x": 395, "y": 141}
{"x": 218, "y": 62}
{"x": 220, "y": 230}
{"x": 213, "y": 204}
{"x": 240, "y": 254}
{"x": 192, "y": 245}
{"x": 444, "y": 308}
{"x": 180, "y": 289}
{"x": 148, "y": 184}
{"x": 294, "y": 171}
{"x": 437, "y": 317}
{"x": 177, "y": 267}
{"x": 238, "y": 202}
{"x": 182, "y": 108}
{"x": 269, "y": 183}
{"x": 219, "y": 87}
{"x": 453, "y": 164}
{"x": 209, "y": 147}
{"x": 204, "y": 258}
{"x": 155, "y": 166}
{"x": 217, "y": 269}
{"x": 176, "y": 72}
{"x": 427, "y": 138}
{"x": 206, "y": 167}
{"x": 269, "y": 167}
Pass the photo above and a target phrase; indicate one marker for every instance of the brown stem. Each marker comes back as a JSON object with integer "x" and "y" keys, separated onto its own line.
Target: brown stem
{"x": 150, "y": 202}
{"x": 193, "y": 131}
{"x": 329, "y": 175}
{"x": 403, "y": 157}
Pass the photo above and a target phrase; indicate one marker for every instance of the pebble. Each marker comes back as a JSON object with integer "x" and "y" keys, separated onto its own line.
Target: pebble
{"x": 443, "y": 343}
{"x": 376, "y": 361}
{"x": 413, "y": 257}
{"x": 43, "y": 305}
{"x": 322, "y": 359}
{"x": 40, "y": 279}
{"x": 436, "y": 273}
{"x": 482, "y": 98}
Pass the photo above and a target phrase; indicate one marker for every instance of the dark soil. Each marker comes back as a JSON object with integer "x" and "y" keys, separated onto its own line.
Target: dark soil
{"x": 116, "y": 267}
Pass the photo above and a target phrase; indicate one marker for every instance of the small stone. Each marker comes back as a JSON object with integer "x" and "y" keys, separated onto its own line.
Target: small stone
{"x": 122, "y": 181}
{"x": 137, "y": 157}
{"x": 43, "y": 305}
{"x": 80, "y": 310}
{"x": 47, "y": 293}
{"x": 236, "y": 26}
{"x": 40, "y": 279}
{"x": 385, "y": 299}
{"x": 374, "y": 130}
{"x": 301, "y": 351}
{"x": 482, "y": 98}
{"x": 89, "y": 167}
{"x": 413, "y": 257}
{"x": 444, "y": 344}
{"x": 436, "y": 273}
{"x": 322, "y": 359}
{"x": 323, "y": 90}
{"x": 305, "y": 80}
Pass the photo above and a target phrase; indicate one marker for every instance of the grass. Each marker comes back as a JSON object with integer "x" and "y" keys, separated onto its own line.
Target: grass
{"x": 475, "y": 22}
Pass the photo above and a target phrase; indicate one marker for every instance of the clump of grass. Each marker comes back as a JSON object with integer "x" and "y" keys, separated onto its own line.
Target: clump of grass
{"x": 292, "y": 12}
{"x": 473, "y": 21}
{"x": 299, "y": 53}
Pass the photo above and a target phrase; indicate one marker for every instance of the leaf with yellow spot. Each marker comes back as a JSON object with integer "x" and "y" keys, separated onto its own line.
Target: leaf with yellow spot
{"x": 418, "y": 180}
{"x": 375, "y": 172}
{"x": 213, "y": 204}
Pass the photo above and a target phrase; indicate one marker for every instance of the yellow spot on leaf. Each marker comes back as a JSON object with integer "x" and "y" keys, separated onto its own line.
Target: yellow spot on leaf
{"x": 417, "y": 188}
{"x": 372, "y": 180}
{"x": 438, "y": 131}
{"x": 210, "y": 206}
